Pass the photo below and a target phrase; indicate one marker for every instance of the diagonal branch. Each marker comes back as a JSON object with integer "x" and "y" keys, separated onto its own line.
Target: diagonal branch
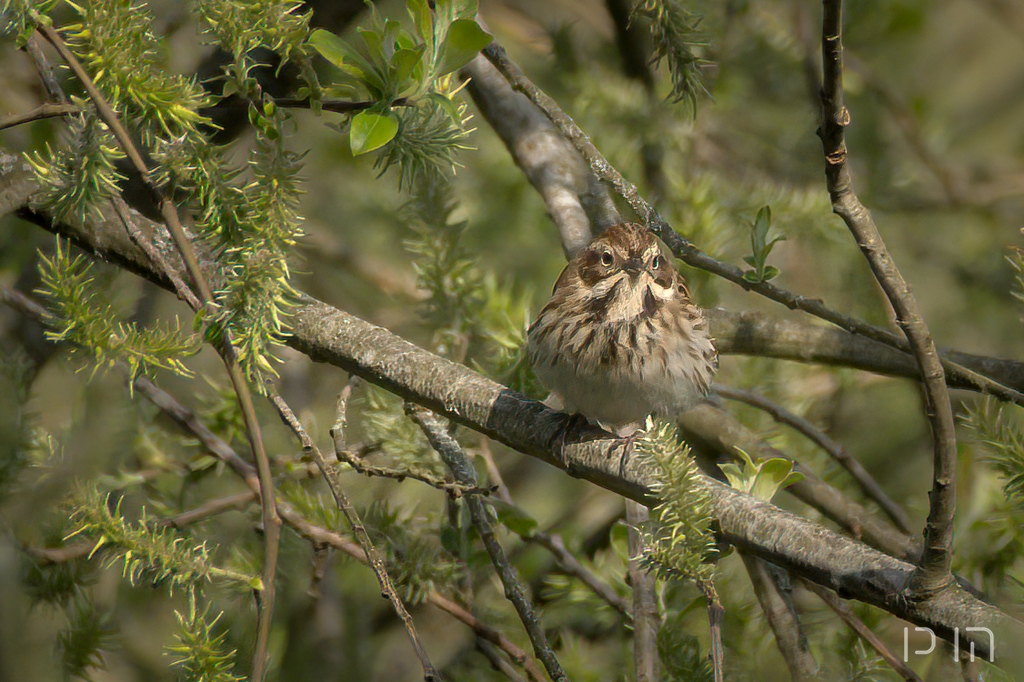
{"x": 776, "y": 602}
{"x": 857, "y": 625}
{"x": 835, "y": 450}
{"x": 332, "y": 474}
{"x": 934, "y": 572}
{"x": 457, "y": 462}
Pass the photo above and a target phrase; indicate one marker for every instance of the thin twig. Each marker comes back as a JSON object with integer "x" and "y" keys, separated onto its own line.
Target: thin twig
{"x": 184, "y": 292}
{"x": 332, "y": 475}
{"x": 934, "y": 567}
{"x": 646, "y": 619}
{"x": 858, "y": 626}
{"x": 455, "y": 490}
{"x": 835, "y": 450}
{"x": 497, "y": 662}
{"x": 336, "y": 105}
{"x": 45, "y": 110}
{"x": 45, "y": 70}
{"x": 567, "y": 561}
{"x": 271, "y": 521}
{"x": 451, "y": 452}
{"x": 220, "y": 449}
{"x": 208, "y": 509}
{"x": 716, "y": 616}
{"x": 693, "y": 256}
{"x": 776, "y": 603}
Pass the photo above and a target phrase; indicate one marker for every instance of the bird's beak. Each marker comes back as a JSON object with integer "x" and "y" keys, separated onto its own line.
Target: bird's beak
{"x": 633, "y": 266}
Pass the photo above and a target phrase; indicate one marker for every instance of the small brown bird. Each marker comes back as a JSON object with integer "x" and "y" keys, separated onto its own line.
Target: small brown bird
{"x": 620, "y": 338}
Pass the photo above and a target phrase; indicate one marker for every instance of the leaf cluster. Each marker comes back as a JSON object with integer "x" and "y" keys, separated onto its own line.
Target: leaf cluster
{"x": 1003, "y": 438}
{"x": 411, "y": 549}
{"x": 395, "y": 64}
{"x": 677, "y": 40}
{"x": 83, "y": 316}
{"x": 145, "y": 550}
{"x": 678, "y": 541}
{"x": 761, "y": 246}
{"x": 199, "y": 654}
{"x": 761, "y": 479}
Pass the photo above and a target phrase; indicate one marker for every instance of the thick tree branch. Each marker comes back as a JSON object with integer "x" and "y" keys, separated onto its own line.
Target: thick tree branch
{"x": 576, "y": 200}
{"x": 327, "y": 334}
{"x": 934, "y": 573}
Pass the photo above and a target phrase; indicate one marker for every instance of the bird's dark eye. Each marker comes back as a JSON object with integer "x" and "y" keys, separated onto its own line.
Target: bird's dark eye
{"x": 655, "y": 262}
{"x": 606, "y": 258}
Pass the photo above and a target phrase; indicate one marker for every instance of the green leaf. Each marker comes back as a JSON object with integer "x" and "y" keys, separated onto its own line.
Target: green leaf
{"x": 341, "y": 54}
{"x": 770, "y": 476}
{"x": 403, "y": 63}
{"x": 371, "y": 131}
{"x": 770, "y": 273}
{"x": 465, "y": 9}
{"x": 331, "y": 47}
{"x": 762, "y": 223}
{"x": 737, "y": 479}
{"x": 450, "y": 106}
{"x": 514, "y": 518}
{"x": 374, "y": 41}
{"x": 421, "y": 19}
{"x": 751, "y": 276}
{"x": 464, "y": 40}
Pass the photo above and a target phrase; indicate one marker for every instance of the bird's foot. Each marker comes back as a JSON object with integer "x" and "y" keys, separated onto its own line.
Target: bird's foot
{"x": 628, "y": 436}
{"x": 573, "y": 430}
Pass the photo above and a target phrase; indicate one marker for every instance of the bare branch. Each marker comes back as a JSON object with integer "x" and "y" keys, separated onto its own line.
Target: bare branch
{"x": 575, "y": 198}
{"x": 835, "y": 450}
{"x": 646, "y": 619}
{"x": 332, "y": 474}
{"x": 934, "y": 573}
{"x": 858, "y": 626}
{"x": 776, "y": 602}
{"x": 46, "y": 110}
{"x": 451, "y": 452}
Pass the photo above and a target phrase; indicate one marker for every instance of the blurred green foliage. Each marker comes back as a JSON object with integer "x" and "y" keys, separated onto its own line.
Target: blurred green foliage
{"x": 937, "y": 153}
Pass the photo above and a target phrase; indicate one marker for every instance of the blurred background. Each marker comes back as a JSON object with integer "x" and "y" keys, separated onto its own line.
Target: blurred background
{"x": 935, "y": 89}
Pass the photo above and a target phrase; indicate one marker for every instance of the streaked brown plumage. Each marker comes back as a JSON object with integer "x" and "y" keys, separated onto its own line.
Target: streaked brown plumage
{"x": 620, "y": 338}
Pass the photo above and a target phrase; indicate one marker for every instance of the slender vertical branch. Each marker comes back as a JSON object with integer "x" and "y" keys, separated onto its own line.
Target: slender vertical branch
{"x": 332, "y": 474}
{"x": 646, "y": 619}
{"x": 271, "y": 520}
{"x": 716, "y": 616}
{"x": 933, "y": 572}
{"x": 451, "y": 452}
